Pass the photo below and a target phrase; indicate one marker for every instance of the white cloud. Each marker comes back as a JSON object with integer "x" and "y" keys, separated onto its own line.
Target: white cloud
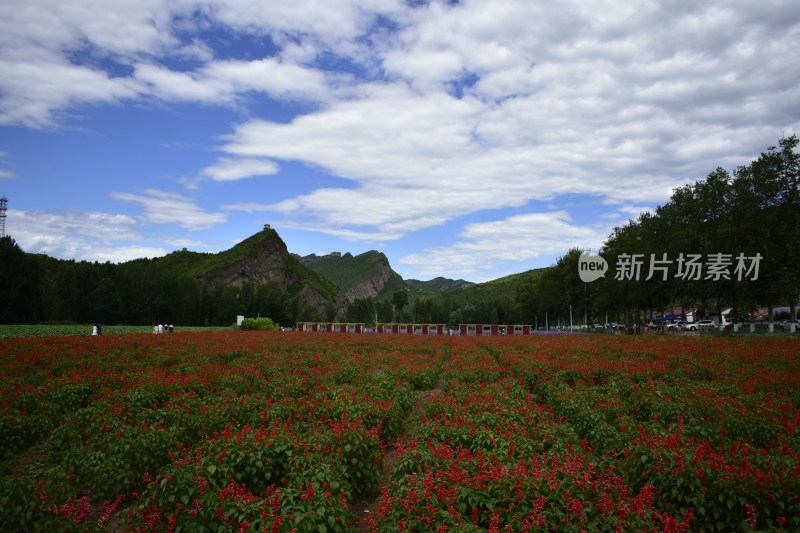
{"x": 419, "y": 162}
{"x": 5, "y": 173}
{"x": 371, "y": 237}
{"x": 89, "y": 236}
{"x": 57, "y": 55}
{"x": 223, "y": 82}
{"x": 119, "y": 254}
{"x": 248, "y": 207}
{"x": 79, "y": 235}
{"x": 35, "y": 86}
{"x": 171, "y": 208}
{"x": 518, "y": 239}
{"x": 122, "y": 28}
{"x": 494, "y": 104}
{"x": 269, "y": 75}
{"x": 633, "y": 211}
{"x": 227, "y": 169}
{"x": 172, "y": 85}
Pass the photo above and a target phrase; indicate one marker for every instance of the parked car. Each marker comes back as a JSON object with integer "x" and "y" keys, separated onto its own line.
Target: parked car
{"x": 701, "y": 324}
{"x": 678, "y": 326}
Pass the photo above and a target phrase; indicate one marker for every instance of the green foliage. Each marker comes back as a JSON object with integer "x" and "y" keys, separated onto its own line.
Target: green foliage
{"x": 10, "y": 331}
{"x": 347, "y": 271}
{"x": 394, "y": 284}
{"x": 197, "y": 265}
{"x": 19, "y": 279}
{"x": 228, "y": 432}
{"x": 400, "y": 300}
{"x": 436, "y": 285}
{"x": 361, "y": 310}
{"x": 261, "y": 323}
{"x": 504, "y": 287}
{"x": 179, "y": 288}
{"x": 43, "y": 500}
{"x": 324, "y": 286}
{"x": 754, "y": 211}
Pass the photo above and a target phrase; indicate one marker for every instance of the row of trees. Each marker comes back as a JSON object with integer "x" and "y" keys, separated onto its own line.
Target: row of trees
{"x": 741, "y": 231}
{"x": 37, "y": 288}
{"x": 433, "y": 310}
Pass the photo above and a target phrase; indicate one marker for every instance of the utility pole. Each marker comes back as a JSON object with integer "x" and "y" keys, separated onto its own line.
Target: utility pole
{"x": 585, "y": 307}
{"x": 3, "y": 209}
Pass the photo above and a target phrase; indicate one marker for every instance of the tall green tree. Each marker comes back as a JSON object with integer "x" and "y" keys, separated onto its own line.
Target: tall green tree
{"x": 423, "y": 310}
{"x": 385, "y": 311}
{"x": 106, "y": 302}
{"x": 400, "y": 300}
{"x": 19, "y": 283}
{"x": 361, "y": 310}
{"x": 755, "y": 213}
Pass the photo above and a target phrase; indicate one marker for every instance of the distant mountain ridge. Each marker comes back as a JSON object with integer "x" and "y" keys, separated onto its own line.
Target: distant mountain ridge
{"x": 504, "y": 287}
{"x": 367, "y": 275}
{"x": 439, "y": 284}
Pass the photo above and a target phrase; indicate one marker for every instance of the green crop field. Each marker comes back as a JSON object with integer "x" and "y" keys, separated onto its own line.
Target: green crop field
{"x": 9, "y": 331}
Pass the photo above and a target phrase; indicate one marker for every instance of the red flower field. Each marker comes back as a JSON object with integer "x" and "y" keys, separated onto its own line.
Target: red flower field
{"x": 272, "y": 431}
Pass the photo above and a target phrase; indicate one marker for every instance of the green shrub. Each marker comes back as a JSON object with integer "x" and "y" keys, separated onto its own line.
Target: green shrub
{"x": 260, "y": 323}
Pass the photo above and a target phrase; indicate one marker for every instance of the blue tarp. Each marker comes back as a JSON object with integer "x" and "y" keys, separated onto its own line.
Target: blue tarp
{"x": 664, "y": 318}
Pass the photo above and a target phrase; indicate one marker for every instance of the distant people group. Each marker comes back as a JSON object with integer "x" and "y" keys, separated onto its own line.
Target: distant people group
{"x": 97, "y": 329}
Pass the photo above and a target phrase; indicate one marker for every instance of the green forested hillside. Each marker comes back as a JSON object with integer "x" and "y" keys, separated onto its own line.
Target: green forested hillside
{"x": 436, "y": 285}
{"x": 257, "y": 277}
{"x": 347, "y": 270}
{"x": 186, "y": 288}
{"x": 499, "y": 288}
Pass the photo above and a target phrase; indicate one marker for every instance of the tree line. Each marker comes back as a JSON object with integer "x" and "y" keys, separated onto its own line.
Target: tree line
{"x": 725, "y": 241}
{"x": 438, "y": 309}
{"x": 35, "y": 288}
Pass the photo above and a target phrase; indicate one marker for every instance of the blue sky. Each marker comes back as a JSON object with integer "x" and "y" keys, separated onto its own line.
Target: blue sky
{"x": 468, "y": 139}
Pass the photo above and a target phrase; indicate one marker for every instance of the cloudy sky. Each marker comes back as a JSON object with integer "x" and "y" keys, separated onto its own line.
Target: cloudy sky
{"x": 469, "y": 139}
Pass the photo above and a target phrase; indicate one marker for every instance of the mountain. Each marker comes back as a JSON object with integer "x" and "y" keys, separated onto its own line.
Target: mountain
{"x": 437, "y": 285}
{"x": 467, "y": 293}
{"x": 256, "y": 277}
{"x": 367, "y": 275}
{"x": 263, "y": 258}
{"x": 260, "y": 259}
{"x": 504, "y": 287}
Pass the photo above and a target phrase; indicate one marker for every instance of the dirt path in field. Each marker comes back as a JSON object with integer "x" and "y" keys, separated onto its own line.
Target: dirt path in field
{"x": 365, "y": 506}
